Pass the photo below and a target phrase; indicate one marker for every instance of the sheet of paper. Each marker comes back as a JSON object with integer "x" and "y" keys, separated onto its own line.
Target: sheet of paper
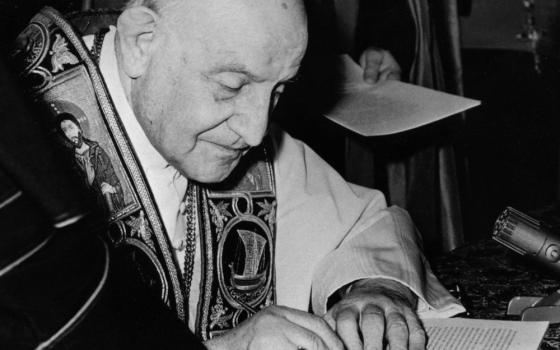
{"x": 472, "y": 334}
{"x": 389, "y": 107}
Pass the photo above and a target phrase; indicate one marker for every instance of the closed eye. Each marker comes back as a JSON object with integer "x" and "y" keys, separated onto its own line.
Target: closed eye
{"x": 226, "y": 92}
{"x": 232, "y": 89}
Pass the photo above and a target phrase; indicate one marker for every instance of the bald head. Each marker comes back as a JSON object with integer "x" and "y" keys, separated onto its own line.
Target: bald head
{"x": 204, "y": 18}
{"x": 158, "y": 5}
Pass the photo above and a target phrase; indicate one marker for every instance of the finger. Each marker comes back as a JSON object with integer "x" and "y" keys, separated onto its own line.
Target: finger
{"x": 416, "y": 333}
{"x": 397, "y": 331}
{"x": 366, "y": 55}
{"x": 372, "y": 60}
{"x": 389, "y": 68}
{"x": 301, "y": 338}
{"x": 371, "y": 73}
{"x": 314, "y": 324}
{"x": 389, "y": 74}
{"x": 348, "y": 330}
{"x": 373, "y": 326}
{"x": 330, "y": 320}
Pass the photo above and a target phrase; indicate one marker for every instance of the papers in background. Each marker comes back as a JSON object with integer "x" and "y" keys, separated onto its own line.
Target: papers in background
{"x": 472, "y": 334}
{"x": 389, "y": 107}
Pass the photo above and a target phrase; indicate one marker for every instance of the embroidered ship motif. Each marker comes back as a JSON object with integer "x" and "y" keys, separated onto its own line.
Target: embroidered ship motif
{"x": 251, "y": 279}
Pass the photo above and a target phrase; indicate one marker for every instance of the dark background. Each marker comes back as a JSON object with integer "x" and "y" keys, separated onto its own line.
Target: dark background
{"x": 512, "y": 141}
{"x": 14, "y": 15}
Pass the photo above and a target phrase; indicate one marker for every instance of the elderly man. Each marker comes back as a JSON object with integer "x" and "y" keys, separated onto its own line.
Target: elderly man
{"x": 201, "y": 78}
{"x": 193, "y": 83}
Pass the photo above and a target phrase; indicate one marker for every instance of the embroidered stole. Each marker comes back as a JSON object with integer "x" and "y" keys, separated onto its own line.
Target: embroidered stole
{"x": 236, "y": 219}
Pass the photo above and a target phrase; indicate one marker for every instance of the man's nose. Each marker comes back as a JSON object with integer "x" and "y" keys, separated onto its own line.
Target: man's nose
{"x": 251, "y": 118}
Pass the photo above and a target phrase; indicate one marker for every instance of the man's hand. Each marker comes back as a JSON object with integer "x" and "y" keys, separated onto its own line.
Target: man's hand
{"x": 375, "y": 313}
{"x": 379, "y": 65}
{"x": 280, "y": 328}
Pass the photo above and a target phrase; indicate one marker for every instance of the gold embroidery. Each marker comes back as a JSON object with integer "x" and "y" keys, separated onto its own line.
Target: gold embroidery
{"x": 61, "y": 55}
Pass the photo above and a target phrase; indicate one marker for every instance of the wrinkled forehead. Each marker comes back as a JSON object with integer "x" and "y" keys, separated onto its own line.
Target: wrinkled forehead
{"x": 242, "y": 24}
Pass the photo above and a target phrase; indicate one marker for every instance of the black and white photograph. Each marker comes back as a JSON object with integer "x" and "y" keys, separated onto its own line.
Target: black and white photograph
{"x": 280, "y": 174}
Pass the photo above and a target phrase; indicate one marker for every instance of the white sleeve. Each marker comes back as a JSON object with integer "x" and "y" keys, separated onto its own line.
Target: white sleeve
{"x": 331, "y": 233}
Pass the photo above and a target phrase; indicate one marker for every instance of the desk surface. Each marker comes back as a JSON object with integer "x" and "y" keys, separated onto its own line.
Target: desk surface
{"x": 490, "y": 275}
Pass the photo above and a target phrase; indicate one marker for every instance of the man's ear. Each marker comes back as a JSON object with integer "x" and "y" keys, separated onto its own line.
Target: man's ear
{"x": 136, "y": 28}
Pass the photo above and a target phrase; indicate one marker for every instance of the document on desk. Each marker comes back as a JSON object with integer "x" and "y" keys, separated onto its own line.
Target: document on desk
{"x": 388, "y": 107}
{"x": 473, "y": 334}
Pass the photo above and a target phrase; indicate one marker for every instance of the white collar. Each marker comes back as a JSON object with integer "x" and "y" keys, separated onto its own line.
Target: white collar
{"x": 167, "y": 185}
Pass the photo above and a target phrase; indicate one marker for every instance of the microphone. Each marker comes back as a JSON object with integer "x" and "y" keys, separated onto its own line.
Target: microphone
{"x": 535, "y": 239}
{"x": 528, "y": 236}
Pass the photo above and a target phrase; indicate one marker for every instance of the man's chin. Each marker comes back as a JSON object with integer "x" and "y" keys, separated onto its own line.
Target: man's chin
{"x": 211, "y": 175}
{"x": 211, "y": 179}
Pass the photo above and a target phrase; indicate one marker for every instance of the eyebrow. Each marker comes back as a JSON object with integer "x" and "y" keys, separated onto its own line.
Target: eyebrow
{"x": 236, "y": 68}
{"x": 241, "y": 69}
